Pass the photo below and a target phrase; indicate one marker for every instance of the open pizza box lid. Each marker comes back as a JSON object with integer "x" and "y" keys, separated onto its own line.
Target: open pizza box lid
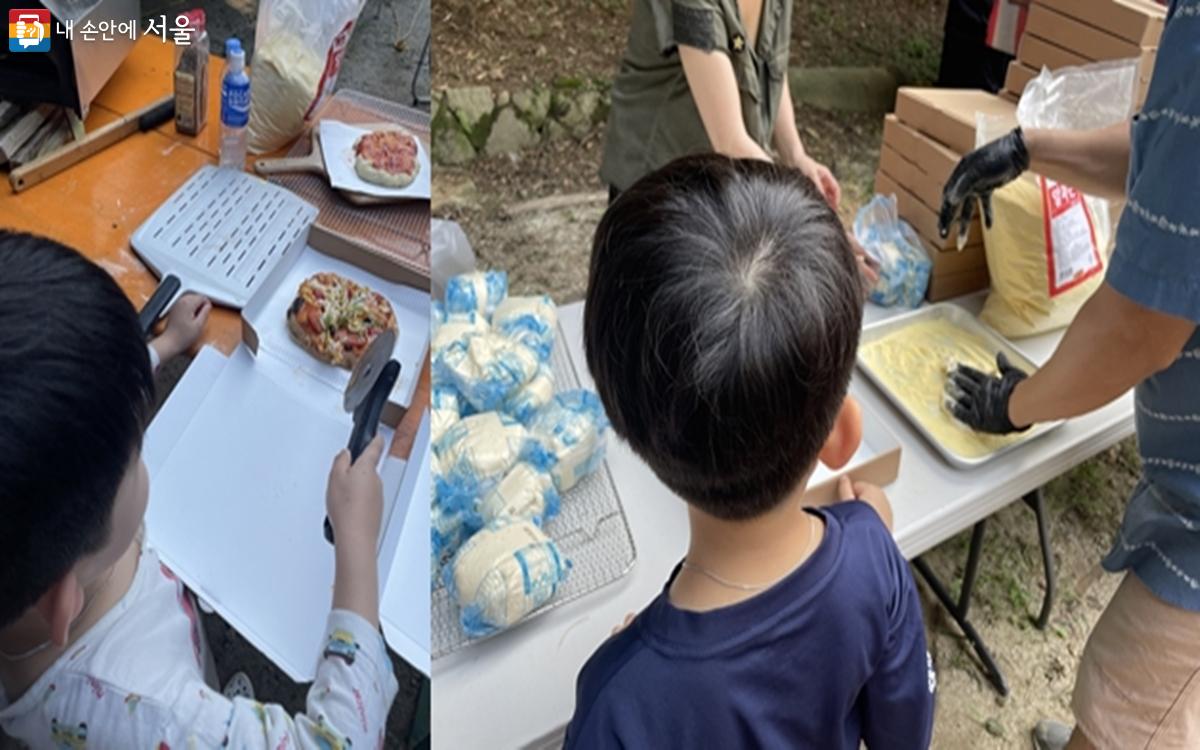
{"x": 239, "y": 457}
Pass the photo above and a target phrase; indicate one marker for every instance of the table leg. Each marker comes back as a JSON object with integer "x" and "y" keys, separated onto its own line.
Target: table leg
{"x": 418, "y": 100}
{"x": 1036, "y": 503}
{"x": 958, "y": 610}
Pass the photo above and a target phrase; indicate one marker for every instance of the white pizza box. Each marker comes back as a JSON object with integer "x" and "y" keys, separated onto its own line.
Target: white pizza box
{"x": 264, "y": 318}
{"x": 239, "y": 458}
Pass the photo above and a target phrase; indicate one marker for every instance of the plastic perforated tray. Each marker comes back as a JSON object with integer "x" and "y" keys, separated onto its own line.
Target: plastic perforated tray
{"x": 591, "y": 531}
{"x": 223, "y": 232}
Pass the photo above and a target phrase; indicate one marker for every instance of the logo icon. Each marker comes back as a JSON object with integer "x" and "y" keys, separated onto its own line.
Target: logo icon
{"x": 29, "y": 30}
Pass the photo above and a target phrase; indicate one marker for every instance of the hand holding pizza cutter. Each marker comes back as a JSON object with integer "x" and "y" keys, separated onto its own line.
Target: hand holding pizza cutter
{"x": 371, "y": 383}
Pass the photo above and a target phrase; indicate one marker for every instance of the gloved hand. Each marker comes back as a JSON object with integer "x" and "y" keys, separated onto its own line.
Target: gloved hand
{"x": 988, "y": 167}
{"x": 980, "y": 401}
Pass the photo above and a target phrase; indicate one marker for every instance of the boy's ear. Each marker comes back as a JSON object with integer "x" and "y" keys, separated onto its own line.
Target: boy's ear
{"x": 60, "y": 606}
{"x": 845, "y": 438}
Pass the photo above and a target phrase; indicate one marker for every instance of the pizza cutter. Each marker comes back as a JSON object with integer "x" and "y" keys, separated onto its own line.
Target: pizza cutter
{"x": 371, "y": 383}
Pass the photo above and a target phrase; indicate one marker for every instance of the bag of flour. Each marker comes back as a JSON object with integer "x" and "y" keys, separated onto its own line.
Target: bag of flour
{"x": 298, "y": 50}
{"x": 1048, "y": 245}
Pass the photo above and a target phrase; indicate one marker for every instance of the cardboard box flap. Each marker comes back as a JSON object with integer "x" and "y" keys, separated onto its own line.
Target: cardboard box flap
{"x": 1079, "y": 37}
{"x": 948, "y": 115}
{"x": 1038, "y": 53}
{"x": 1138, "y": 21}
{"x": 928, "y": 155}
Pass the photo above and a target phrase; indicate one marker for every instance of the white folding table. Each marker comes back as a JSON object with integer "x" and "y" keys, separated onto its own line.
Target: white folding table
{"x": 519, "y": 687}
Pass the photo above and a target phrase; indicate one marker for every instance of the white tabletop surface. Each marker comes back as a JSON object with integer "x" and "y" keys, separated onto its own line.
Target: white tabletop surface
{"x": 520, "y": 686}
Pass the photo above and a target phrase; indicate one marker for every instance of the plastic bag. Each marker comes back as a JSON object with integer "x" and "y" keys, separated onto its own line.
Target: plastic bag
{"x": 904, "y": 266}
{"x": 298, "y": 50}
{"x": 1048, "y": 245}
{"x": 450, "y": 254}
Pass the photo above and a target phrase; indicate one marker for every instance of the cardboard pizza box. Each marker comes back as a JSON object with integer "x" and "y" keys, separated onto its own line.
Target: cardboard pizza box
{"x": 1140, "y": 22}
{"x": 877, "y": 460}
{"x": 1039, "y": 53}
{"x": 1079, "y": 37}
{"x": 948, "y": 286}
{"x": 948, "y": 115}
{"x": 930, "y": 157}
{"x": 1018, "y": 77}
{"x": 948, "y": 262}
{"x": 922, "y": 218}
{"x": 911, "y": 177}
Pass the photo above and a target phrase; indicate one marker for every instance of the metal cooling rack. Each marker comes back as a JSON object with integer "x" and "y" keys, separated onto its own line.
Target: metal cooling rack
{"x": 591, "y": 530}
{"x": 222, "y": 232}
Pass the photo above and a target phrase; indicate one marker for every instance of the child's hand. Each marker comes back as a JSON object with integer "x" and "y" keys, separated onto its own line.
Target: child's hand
{"x": 354, "y": 499}
{"x": 848, "y": 489}
{"x": 185, "y": 323}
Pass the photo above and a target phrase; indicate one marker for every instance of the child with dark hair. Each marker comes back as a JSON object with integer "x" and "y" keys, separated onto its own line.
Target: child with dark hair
{"x": 100, "y": 644}
{"x": 722, "y": 319}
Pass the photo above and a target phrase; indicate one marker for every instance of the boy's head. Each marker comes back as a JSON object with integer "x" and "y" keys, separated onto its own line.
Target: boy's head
{"x": 722, "y": 319}
{"x": 75, "y": 388}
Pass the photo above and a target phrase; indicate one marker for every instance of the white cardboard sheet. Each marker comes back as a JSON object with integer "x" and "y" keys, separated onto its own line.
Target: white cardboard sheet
{"x": 239, "y": 458}
{"x": 267, "y": 313}
{"x": 337, "y": 145}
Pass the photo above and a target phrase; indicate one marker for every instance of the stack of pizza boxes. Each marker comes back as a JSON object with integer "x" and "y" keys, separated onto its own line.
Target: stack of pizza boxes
{"x": 1061, "y": 33}
{"x": 922, "y": 142}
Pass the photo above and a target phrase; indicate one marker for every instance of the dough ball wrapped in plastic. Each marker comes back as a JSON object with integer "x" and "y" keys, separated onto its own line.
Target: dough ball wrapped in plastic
{"x": 572, "y": 429}
{"x": 505, "y": 571}
{"x": 453, "y": 330}
{"x": 904, "y": 266}
{"x": 486, "y": 368}
{"x": 475, "y": 454}
{"x": 447, "y": 531}
{"x": 531, "y": 397}
{"x": 445, "y": 409}
{"x": 477, "y": 292}
{"x": 530, "y": 320}
{"x": 525, "y": 492}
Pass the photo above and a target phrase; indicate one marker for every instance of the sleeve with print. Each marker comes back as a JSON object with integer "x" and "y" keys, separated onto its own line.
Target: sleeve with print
{"x": 1157, "y": 258}
{"x": 692, "y": 23}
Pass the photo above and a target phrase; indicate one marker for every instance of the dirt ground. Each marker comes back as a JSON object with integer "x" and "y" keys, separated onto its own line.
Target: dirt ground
{"x": 547, "y": 250}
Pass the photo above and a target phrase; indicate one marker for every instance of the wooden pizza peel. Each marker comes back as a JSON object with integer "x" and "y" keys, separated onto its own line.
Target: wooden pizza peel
{"x": 314, "y": 163}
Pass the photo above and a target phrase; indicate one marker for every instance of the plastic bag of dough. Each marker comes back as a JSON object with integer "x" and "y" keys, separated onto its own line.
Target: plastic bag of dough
{"x": 527, "y": 400}
{"x": 479, "y": 292}
{"x": 530, "y": 320}
{"x": 476, "y": 453}
{"x": 571, "y": 428}
{"x": 486, "y": 368}
{"x": 904, "y": 266}
{"x": 525, "y": 492}
{"x": 502, "y": 573}
{"x": 1048, "y": 245}
{"x": 298, "y": 50}
{"x": 445, "y": 409}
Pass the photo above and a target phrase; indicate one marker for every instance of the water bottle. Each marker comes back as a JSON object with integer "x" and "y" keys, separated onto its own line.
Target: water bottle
{"x": 235, "y": 106}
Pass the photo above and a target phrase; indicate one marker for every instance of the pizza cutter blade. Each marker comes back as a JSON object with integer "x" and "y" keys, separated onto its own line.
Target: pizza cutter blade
{"x": 371, "y": 383}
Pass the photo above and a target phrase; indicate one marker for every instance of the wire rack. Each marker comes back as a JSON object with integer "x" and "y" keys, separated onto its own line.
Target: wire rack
{"x": 396, "y": 232}
{"x": 591, "y": 530}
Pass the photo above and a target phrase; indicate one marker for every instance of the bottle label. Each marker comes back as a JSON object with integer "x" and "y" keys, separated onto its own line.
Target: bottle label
{"x": 235, "y": 104}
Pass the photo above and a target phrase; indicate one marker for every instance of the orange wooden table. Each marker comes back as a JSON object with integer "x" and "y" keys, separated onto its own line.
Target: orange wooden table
{"x": 96, "y": 205}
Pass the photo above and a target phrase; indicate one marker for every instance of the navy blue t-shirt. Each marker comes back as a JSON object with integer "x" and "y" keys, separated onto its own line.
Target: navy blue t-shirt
{"x": 831, "y": 655}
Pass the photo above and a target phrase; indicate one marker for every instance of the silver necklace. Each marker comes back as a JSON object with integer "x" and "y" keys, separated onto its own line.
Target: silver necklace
{"x": 6, "y": 656}
{"x": 686, "y": 565}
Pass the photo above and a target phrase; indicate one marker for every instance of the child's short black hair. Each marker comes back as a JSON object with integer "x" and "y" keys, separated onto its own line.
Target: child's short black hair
{"x": 722, "y": 319}
{"x": 75, "y": 388}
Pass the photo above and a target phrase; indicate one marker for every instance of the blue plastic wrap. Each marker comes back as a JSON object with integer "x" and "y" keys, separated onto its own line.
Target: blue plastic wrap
{"x": 572, "y": 429}
{"x": 530, "y": 320}
{"x": 486, "y": 368}
{"x": 904, "y": 266}
{"x": 477, "y": 452}
{"x": 477, "y": 292}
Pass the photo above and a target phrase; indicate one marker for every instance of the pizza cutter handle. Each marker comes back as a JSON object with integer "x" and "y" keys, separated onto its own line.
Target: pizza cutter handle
{"x": 366, "y": 419}
{"x": 153, "y": 310}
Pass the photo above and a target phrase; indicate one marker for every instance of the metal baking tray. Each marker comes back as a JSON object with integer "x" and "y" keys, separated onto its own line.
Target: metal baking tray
{"x": 964, "y": 320}
{"x": 591, "y": 530}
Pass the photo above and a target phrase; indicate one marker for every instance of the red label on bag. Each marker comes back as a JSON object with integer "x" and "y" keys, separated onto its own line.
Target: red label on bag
{"x": 333, "y": 64}
{"x": 1072, "y": 255}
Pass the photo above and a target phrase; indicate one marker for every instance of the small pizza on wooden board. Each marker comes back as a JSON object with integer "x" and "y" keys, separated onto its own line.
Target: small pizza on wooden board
{"x": 387, "y": 157}
{"x": 336, "y": 319}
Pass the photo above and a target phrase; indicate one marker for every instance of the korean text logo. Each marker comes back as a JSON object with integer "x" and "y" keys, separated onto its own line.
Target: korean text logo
{"x": 29, "y": 30}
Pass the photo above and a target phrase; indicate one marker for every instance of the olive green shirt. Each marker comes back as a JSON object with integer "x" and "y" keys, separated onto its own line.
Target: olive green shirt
{"x": 654, "y": 118}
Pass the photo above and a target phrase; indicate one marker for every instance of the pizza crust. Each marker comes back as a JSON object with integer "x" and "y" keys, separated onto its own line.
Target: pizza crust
{"x": 375, "y": 173}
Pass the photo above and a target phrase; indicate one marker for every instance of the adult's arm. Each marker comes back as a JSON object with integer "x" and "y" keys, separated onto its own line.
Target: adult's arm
{"x": 1112, "y": 345}
{"x": 714, "y": 88}
{"x": 789, "y": 147}
{"x": 1095, "y": 161}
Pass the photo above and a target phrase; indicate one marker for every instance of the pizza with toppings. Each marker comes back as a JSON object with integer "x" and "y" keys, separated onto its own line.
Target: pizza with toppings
{"x": 336, "y": 319}
{"x": 387, "y": 157}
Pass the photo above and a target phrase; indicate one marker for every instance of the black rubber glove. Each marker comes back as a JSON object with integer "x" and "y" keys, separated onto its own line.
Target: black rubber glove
{"x": 980, "y": 401}
{"x": 980, "y": 172}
